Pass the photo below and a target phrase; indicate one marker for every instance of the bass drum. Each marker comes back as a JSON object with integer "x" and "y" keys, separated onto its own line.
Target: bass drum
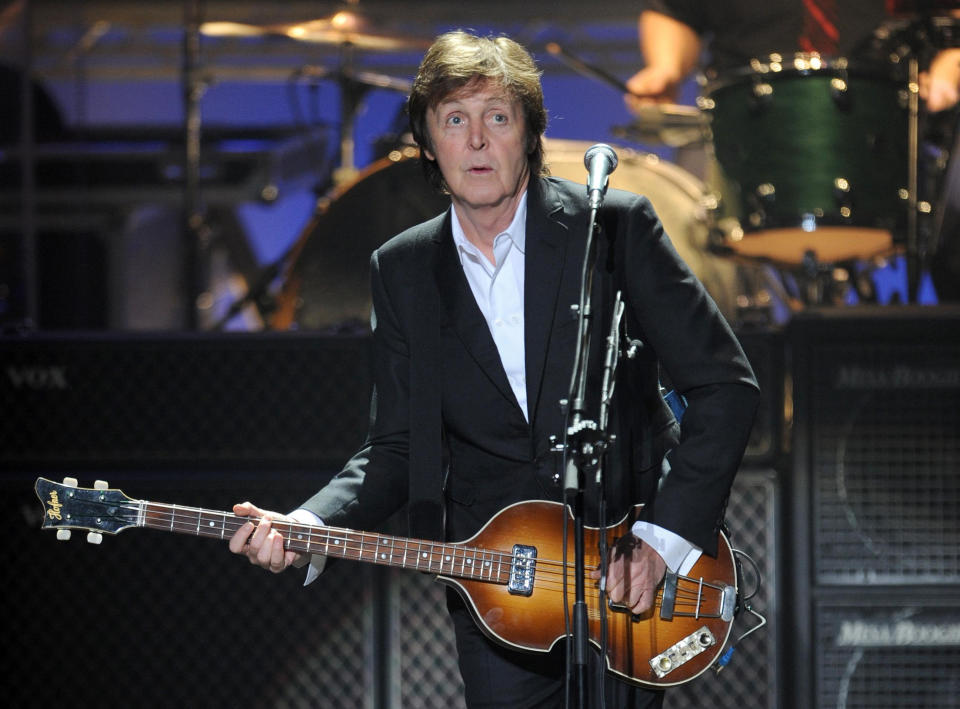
{"x": 680, "y": 199}
{"x": 327, "y": 285}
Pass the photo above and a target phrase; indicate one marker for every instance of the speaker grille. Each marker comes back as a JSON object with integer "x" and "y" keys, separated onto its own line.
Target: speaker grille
{"x": 886, "y": 418}
{"x": 750, "y": 680}
{"x": 897, "y": 653}
{"x": 426, "y": 649}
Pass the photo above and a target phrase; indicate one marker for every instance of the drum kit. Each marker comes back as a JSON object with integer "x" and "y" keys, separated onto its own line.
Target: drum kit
{"x": 815, "y": 171}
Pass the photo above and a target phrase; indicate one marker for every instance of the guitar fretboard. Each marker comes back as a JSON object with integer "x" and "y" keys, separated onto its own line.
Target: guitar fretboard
{"x": 458, "y": 560}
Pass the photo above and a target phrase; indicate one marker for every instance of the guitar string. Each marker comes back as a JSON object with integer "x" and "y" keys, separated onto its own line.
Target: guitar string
{"x": 361, "y": 539}
{"x": 178, "y": 518}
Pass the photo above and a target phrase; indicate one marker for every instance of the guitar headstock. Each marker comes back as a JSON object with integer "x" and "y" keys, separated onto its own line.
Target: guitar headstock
{"x": 98, "y": 509}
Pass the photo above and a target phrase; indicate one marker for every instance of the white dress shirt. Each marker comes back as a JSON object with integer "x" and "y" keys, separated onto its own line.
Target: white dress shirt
{"x": 498, "y": 290}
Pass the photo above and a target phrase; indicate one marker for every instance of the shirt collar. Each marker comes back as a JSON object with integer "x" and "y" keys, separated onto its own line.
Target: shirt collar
{"x": 516, "y": 232}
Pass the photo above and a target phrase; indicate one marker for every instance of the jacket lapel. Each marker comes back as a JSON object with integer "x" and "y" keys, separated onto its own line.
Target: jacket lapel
{"x": 547, "y": 241}
{"x": 460, "y": 312}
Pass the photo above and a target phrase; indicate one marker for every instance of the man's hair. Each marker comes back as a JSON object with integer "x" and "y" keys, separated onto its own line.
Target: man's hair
{"x": 456, "y": 60}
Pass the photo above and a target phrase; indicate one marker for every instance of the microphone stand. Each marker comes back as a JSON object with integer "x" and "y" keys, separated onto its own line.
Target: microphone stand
{"x": 585, "y": 445}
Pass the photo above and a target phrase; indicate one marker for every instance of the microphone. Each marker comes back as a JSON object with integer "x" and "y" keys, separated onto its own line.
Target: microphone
{"x": 600, "y": 160}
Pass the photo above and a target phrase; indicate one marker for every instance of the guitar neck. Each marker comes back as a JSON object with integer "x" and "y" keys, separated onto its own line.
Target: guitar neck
{"x": 455, "y": 560}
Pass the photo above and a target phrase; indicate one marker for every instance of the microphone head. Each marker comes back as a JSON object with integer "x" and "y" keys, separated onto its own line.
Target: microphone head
{"x": 601, "y": 149}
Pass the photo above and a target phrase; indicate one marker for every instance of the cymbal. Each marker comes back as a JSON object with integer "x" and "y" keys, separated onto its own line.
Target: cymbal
{"x": 368, "y": 79}
{"x": 343, "y": 28}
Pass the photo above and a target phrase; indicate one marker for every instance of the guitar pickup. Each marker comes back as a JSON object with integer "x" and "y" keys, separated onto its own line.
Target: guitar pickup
{"x": 522, "y": 570}
{"x": 682, "y": 652}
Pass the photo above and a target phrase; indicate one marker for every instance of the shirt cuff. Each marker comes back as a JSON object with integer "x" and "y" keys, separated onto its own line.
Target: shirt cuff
{"x": 679, "y": 554}
{"x": 317, "y": 561}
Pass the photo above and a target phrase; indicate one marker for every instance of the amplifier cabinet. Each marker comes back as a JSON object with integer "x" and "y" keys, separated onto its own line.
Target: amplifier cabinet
{"x": 874, "y": 491}
{"x": 890, "y": 649}
{"x": 182, "y": 400}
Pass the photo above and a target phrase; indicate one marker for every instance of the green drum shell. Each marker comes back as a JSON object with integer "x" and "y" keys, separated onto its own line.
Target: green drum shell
{"x": 804, "y": 148}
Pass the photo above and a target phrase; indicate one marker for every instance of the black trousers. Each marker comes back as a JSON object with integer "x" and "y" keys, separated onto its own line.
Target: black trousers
{"x": 496, "y": 677}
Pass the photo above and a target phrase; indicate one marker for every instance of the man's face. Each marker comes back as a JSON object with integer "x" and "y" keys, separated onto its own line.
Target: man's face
{"x": 479, "y": 143}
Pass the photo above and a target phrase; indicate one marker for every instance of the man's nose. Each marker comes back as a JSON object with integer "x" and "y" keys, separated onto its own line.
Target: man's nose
{"x": 478, "y": 136}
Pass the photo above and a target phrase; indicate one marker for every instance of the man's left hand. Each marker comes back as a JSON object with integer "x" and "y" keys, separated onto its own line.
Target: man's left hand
{"x": 634, "y": 573}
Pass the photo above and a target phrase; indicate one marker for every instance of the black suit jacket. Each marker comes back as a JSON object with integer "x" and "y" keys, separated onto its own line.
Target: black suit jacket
{"x": 447, "y": 436}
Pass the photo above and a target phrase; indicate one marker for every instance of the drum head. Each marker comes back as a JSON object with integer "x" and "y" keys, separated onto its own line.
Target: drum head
{"x": 328, "y": 286}
{"x": 678, "y": 199}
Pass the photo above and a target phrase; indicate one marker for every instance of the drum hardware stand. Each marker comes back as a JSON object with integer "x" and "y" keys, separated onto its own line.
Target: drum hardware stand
{"x": 196, "y": 234}
{"x": 925, "y": 33}
{"x": 28, "y": 205}
{"x": 913, "y": 256}
{"x": 258, "y": 293}
{"x": 354, "y": 86}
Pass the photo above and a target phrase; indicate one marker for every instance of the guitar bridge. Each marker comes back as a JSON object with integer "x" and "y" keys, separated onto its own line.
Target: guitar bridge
{"x": 522, "y": 569}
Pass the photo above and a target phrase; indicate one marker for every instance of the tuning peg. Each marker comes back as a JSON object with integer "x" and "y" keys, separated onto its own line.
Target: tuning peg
{"x": 101, "y": 485}
{"x": 63, "y": 535}
{"x": 70, "y": 482}
{"x": 94, "y": 537}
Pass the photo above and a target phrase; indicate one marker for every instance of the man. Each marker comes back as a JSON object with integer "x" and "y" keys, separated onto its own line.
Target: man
{"x": 474, "y": 345}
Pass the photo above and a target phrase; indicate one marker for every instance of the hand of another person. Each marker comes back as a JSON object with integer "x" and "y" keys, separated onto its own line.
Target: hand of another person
{"x": 260, "y": 543}
{"x": 940, "y": 84}
{"x": 634, "y": 573}
{"x": 651, "y": 85}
